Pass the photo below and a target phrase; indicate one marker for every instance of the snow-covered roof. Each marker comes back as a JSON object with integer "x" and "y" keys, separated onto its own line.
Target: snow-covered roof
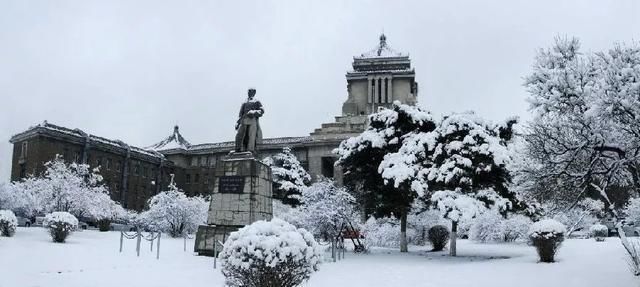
{"x": 79, "y": 134}
{"x": 173, "y": 141}
{"x": 382, "y": 50}
{"x": 269, "y": 141}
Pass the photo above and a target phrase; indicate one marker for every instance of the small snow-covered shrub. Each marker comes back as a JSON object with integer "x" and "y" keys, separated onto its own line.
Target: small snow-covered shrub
{"x": 269, "y": 253}
{"x": 599, "y": 231}
{"x": 60, "y": 225}
{"x": 492, "y": 227}
{"x": 8, "y": 223}
{"x": 488, "y": 227}
{"x": 384, "y": 232}
{"x": 516, "y": 228}
{"x": 438, "y": 236}
{"x": 546, "y": 236}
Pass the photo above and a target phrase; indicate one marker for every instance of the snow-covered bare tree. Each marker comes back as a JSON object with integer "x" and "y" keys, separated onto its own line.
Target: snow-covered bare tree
{"x": 173, "y": 212}
{"x": 326, "y": 208}
{"x": 360, "y": 158}
{"x": 73, "y": 188}
{"x": 289, "y": 177}
{"x": 26, "y": 197}
{"x": 7, "y": 196}
{"x": 584, "y": 214}
{"x": 106, "y": 211}
{"x": 460, "y": 168}
{"x": 584, "y": 139}
{"x": 632, "y": 210}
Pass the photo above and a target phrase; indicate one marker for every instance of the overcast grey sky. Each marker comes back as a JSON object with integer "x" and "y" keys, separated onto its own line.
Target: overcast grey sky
{"x": 130, "y": 70}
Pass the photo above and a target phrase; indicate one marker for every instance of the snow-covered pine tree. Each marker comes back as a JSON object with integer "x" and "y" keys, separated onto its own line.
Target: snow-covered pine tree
{"x": 360, "y": 158}
{"x": 460, "y": 168}
{"x": 289, "y": 177}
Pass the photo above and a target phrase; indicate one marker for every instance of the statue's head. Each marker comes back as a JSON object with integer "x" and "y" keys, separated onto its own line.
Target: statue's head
{"x": 251, "y": 92}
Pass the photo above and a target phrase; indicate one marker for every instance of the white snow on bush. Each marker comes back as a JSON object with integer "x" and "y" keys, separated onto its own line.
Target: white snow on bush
{"x": 269, "y": 243}
{"x": 9, "y": 217}
{"x": 598, "y": 229}
{"x": 384, "y": 232}
{"x": 547, "y": 228}
{"x": 173, "y": 212}
{"x": 493, "y": 227}
{"x": 60, "y": 217}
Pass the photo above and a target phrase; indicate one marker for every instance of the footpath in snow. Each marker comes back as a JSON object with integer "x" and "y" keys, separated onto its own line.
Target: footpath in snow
{"x": 91, "y": 258}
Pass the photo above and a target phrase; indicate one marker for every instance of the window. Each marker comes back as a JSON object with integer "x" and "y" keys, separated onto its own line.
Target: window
{"x": 23, "y": 152}
{"x": 187, "y": 178}
{"x": 212, "y": 160}
{"x": 143, "y": 171}
{"x": 197, "y": 178}
{"x": 118, "y": 165}
{"x": 153, "y": 173}
{"x": 203, "y": 161}
{"x": 327, "y": 166}
{"x": 66, "y": 154}
{"x": 379, "y": 86}
{"x": 107, "y": 164}
{"x": 76, "y": 157}
{"x": 98, "y": 161}
{"x": 23, "y": 170}
{"x": 136, "y": 169}
{"x": 373, "y": 89}
{"x": 116, "y": 187}
{"x": 194, "y": 161}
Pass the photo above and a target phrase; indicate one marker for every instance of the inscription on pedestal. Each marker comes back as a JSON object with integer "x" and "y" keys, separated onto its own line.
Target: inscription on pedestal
{"x": 231, "y": 184}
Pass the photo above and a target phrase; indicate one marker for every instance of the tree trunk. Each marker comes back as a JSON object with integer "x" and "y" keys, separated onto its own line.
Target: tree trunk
{"x": 631, "y": 250}
{"x": 403, "y": 232}
{"x": 454, "y": 236}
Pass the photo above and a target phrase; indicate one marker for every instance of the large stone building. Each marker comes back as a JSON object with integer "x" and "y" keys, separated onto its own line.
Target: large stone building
{"x": 379, "y": 77}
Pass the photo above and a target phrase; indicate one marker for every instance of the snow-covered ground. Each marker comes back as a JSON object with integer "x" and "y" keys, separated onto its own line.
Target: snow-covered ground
{"x": 91, "y": 258}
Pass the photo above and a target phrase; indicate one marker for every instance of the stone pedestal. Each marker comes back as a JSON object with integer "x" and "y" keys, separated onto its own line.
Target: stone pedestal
{"x": 242, "y": 195}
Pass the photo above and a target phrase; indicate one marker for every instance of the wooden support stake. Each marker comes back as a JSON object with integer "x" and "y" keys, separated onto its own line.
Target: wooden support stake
{"x": 121, "y": 237}
{"x": 158, "y": 247}
{"x": 139, "y": 238}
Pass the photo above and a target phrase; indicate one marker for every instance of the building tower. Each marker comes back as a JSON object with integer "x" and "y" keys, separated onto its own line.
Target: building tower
{"x": 379, "y": 77}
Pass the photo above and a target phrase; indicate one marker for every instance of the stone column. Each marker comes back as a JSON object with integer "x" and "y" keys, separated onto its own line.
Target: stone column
{"x": 385, "y": 86}
{"x": 375, "y": 90}
{"x": 124, "y": 190}
{"x": 369, "y": 93}
{"x": 390, "y": 89}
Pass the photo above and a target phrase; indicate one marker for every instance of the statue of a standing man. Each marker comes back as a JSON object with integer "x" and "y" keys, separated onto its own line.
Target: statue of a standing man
{"x": 248, "y": 128}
